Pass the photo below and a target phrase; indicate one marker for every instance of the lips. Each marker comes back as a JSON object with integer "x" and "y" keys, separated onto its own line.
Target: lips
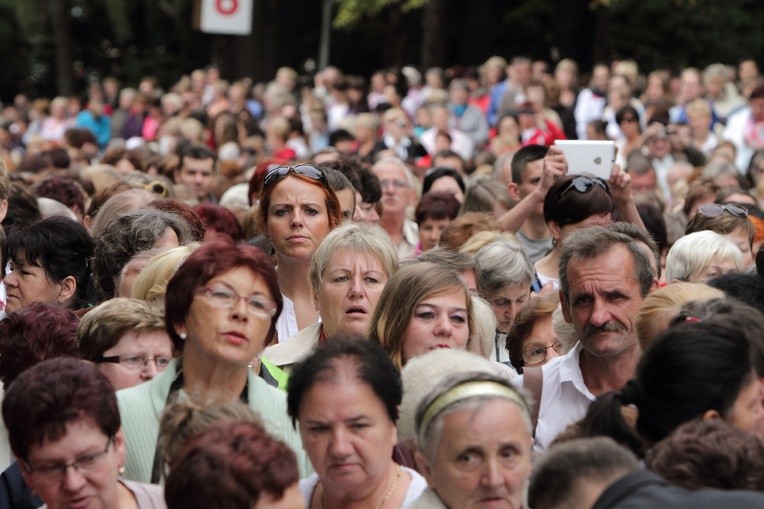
{"x": 77, "y": 503}
{"x": 235, "y": 337}
{"x": 439, "y": 346}
{"x": 356, "y": 310}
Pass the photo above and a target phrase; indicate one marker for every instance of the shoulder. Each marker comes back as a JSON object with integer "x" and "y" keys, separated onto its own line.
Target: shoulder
{"x": 147, "y": 496}
{"x": 416, "y": 487}
{"x": 294, "y": 348}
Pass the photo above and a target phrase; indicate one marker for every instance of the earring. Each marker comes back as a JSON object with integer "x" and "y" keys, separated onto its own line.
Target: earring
{"x": 182, "y": 336}
{"x": 121, "y": 470}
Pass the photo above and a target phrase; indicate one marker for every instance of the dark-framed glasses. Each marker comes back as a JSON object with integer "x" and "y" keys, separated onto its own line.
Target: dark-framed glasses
{"x": 583, "y": 184}
{"x": 83, "y": 464}
{"x": 537, "y": 354}
{"x": 223, "y": 296}
{"x": 307, "y": 170}
{"x": 136, "y": 362}
{"x": 717, "y": 209}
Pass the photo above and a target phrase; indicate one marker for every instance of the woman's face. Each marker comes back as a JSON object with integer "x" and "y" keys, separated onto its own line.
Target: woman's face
{"x": 27, "y": 283}
{"x": 92, "y": 484}
{"x": 440, "y": 320}
{"x": 224, "y": 335}
{"x": 717, "y": 267}
{"x": 739, "y": 237}
{"x": 448, "y": 185}
{"x": 483, "y": 457}
{"x": 540, "y": 343}
{"x": 142, "y": 356}
{"x": 507, "y": 302}
{"x": 347, "y": 434}
{"x": 298, "y": 219}
{"x": 747, "y": 412}
{"x": 430, "y": 231}
{"x": 350, "y": 288}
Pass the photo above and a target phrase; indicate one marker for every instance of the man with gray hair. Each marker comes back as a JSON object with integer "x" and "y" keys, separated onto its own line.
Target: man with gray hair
{"x": 398, "y": 193}
{"x": 604, "y": 277}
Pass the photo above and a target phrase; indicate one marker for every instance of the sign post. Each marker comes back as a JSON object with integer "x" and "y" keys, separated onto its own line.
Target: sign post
{"x": 232, "y": 17}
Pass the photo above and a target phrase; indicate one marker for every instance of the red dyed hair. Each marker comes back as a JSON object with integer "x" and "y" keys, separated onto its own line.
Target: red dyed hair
{"x": 219, "y": 219}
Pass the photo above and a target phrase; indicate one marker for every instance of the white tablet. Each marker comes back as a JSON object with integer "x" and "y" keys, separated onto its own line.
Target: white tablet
{"x": 585, "y": 156}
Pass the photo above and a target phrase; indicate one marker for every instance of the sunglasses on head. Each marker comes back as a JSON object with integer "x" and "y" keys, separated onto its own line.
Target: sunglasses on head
{"x": 584, "y": 184}
{"x": 307, "y": 170}
{"x": 717, "y": 209}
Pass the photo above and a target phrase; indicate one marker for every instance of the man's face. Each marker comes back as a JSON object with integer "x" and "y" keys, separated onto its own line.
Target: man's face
{"x": 644, "y": 183}
{"x": 396, "y": 191}
{"x": 198, "y": 174}
{"x": 603, "y": 301}
{"x": 530, "y": 179}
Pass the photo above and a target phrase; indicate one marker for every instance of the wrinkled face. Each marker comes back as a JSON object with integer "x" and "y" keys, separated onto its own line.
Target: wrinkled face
{"x": 603, "y": 301}
{"x": 93, "y": 485}
{"x": 438, "y": 321}
{"x": 747, "y": 412}
{"x": 197, "y": 174}
{"x": 143, "y": 355}
{"x": 298, "y": 219}
{"x": 228, "y": 335}
{"x": 26, "y": 283}
{"x": 507, "y": 302}
{"x": 718, "y": 266}
{"x": 350, "y": 288}
{"x": 347, "y": 434}
{"x": 540, "y": 343}
{"x": 430, "y": 231}
{"x": 483, "y": 457}
{"x": 396, "y": 192}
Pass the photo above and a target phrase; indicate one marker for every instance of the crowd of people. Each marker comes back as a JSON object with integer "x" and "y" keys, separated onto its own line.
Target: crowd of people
{"x": 328, "y": 293}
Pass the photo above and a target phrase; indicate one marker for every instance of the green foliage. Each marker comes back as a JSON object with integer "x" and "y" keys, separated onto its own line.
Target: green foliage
{"x": 350, "y": 13}
{"x": 676, "y": 34}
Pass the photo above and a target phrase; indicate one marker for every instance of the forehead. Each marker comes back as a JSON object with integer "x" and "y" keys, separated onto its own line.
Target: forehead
{"x": 291, "y": 188}
{"x": 496, "y": 420}
{"x": 533, "y": 170}
{"x": 198, "y": 164}
{"x": 613, "y": 268}
{"x": 448, "y": 297}
{"x": 389, "y": 170}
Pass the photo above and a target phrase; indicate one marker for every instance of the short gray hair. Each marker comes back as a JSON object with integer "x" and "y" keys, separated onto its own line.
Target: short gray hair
{"x": 597, "y": 240}
{"x": 692, "y": 253}
{"x": 502, "y": 264}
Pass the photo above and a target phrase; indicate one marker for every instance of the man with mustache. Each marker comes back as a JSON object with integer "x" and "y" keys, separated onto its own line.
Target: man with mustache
{"x": 604, "y": 276}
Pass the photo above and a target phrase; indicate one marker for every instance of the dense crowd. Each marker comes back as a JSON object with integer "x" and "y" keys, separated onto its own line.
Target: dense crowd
{"x": 332, "y": 293}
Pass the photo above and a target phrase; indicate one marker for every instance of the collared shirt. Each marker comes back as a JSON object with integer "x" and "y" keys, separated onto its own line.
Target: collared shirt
{"x": 409, "y": 240}
{"x": 564, "y": 397}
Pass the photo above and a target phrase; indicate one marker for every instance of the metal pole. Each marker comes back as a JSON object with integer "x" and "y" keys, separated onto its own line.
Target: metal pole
{"x": 326, "y": 26}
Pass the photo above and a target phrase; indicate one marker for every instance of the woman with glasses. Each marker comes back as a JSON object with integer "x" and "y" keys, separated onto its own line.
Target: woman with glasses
{"x": 127, "y": 340}
{"x": 220, "y": 311}
{"x": 729, "y": 220}
{"x": 64, "y": 427}
{"x": 297, "y": 209}
{"x": 532, "y": 340}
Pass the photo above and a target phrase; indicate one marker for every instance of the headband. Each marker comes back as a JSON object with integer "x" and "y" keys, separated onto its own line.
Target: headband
{"x": 463, "y": 392}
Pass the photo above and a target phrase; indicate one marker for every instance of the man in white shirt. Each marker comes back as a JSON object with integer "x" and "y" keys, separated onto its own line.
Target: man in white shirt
{"x": 604, "y": 277}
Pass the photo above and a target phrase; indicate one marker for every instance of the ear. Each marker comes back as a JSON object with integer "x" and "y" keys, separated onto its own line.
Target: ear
{"x": 28, "y": 478}
{"x": 554, "y": 229}
{"x": 711, "y": 414}
{"x": 514, "y": 191}
{"x": 564, "y": 307}
{"x": 423, "y": 467}
{"x": 119, "y": 446}
{"x": 656, "y": 284}
{"x": 175, "y": 174}
{"x": 315, "y": 299}
{"x": 3, "y": 209}
{"x": 180, "y": 329}
{"x": 68, "y": 289}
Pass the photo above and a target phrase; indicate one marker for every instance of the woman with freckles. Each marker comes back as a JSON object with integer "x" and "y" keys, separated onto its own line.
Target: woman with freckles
{"x": 474, "y": 443}
{"x": 348, "y": 273}
{"x": 297, "y": 209}
{"x": 424, "y": 307}
{"x": 346, "y": 397}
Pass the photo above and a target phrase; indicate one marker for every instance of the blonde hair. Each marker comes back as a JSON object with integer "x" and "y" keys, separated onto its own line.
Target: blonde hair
{"x": 151, "y": 284}
{"x": 660, "y": 306}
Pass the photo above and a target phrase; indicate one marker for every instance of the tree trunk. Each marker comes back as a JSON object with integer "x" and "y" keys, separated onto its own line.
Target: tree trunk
{"x": 62, "y": 43}
{"x": 433, "y": 51}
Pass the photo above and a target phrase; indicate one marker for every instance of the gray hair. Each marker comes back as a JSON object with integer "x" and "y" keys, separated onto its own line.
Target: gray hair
{"x": 595, "y": 241}
{"x": 692, "y": 253}
{"x": 502, "y": 264}
{"x": 356, "y": 237}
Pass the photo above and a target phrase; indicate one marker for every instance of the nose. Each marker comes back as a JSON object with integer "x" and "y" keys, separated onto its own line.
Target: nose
{"x": 10, "y": 279}
{"x": 296, "y": 218}
{"x": 443, "y": 325}
{"x": 492, "y": 477}
{"x": 149, "y": 371}
{"x": 340, "y": 445}
{"x": 239, "y": 310}
{"x": 73, "y": 480}
{"x": 356, "y": 287}
{"x": 600, "y": 314}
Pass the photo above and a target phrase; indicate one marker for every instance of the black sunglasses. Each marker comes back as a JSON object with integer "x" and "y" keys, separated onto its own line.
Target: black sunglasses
{"x": 584, "y": 184}
{"x": 717, "y": 209}
{"x": 307, "y": 170}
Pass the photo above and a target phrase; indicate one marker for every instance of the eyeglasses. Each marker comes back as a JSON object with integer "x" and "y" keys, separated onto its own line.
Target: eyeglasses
{"x": 223, "y": 296}
{"x": 537, "y": 355}
{"x": 136, "y": 362}
{"x": 717, "y": 209}
{"x": 396, "y": 184}
{"x": 83, "y": 464}
{"x": 306, "y": 170}
{"x": 584, "y": 184}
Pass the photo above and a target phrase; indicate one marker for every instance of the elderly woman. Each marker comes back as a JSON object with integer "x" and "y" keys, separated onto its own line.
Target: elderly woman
{"x": 62, "y": 414}
{"x": 297, "y": 209}
{"x": 219, "y": 313}
{"x": 532, "y": 340}
{"x": 127, "y": 340}
{"x": 129, "y": 234}
{"x": 505, "y": 275}
{"x": 473, "y": 443}
{"x": 48, "y": 262}
{"x": 346, "y": 397}
{"x": 151, "y": 284}
{"x": 729, "y": 220}
{"x": 234, "y": 466}
{"x": 348, "y": 273}
{"x": 701, "y": 256}
{"x": 424, "y": 306}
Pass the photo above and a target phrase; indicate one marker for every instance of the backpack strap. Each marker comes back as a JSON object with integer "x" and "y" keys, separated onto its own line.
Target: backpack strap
{"x": 533, "y": 383}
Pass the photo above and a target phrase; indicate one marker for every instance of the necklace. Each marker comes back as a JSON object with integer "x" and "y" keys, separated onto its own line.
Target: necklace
{"x": 388, "y": 493}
